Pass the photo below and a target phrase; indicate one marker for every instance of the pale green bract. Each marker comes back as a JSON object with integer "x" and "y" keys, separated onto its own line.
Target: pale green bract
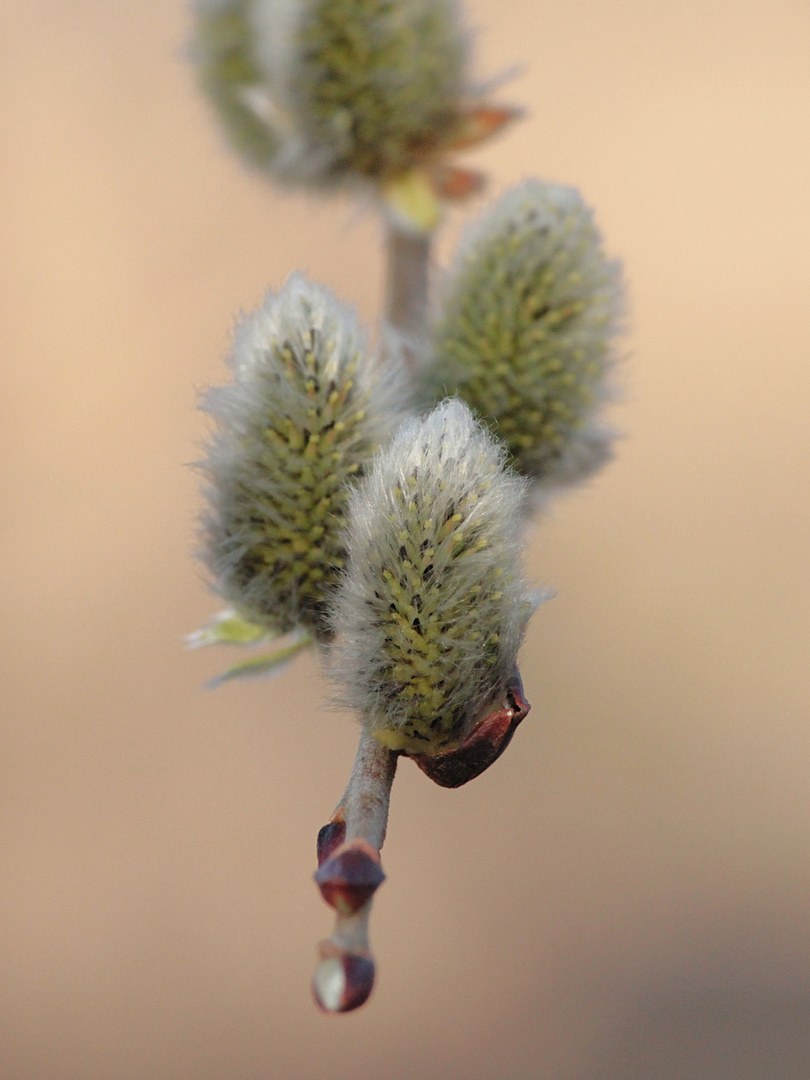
{"x": 228, "y": 627}
{"x": 265, "y": 664}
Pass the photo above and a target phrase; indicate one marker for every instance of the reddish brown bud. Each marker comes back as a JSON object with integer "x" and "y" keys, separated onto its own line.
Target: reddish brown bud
{"x": 451, "y": 182}
{"x": 330, "y": 838}
{"x": 482, "y": 122}
{"x": 342, "y": 980}
{"x": 350, "y": 877}
{"x": 485, "y": 743}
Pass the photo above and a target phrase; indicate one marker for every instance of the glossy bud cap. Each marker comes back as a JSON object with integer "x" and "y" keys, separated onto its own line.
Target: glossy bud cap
{"x": 342, "y": 980}
{"x": 350, "y": 877}
{"x": 484, "y": 745}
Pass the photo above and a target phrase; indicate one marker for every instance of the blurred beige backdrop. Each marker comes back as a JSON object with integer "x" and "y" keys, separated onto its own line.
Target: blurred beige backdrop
{"x": 625, "y": 896}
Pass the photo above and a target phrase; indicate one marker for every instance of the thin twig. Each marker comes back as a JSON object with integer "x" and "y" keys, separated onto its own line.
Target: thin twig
{"x": 406, "y": 287}
{"x": 349, "y": 874}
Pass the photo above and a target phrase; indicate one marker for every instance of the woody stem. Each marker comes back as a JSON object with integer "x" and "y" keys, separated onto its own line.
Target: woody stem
{"x": 348, "y": 875}
{"x": 406, "y": 287}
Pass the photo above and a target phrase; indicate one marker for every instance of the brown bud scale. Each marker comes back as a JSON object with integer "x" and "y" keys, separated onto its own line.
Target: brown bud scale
{"x": 484, "y": 745}
{"x": 330, "y": 837}
{"x": 350, "y": 877}
{"x": 342, "y": 981}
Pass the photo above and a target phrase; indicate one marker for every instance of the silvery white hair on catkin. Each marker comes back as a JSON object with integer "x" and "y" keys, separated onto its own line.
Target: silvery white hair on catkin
{"x": 308, "y": 406}
{"x": 524, "y": 334}
{"x": 433, "y": 606}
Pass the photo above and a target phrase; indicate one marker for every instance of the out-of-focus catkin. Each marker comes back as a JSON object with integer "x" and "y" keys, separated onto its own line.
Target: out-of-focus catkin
{"x": 326, "y": 92}
{"x": 525, "y": 331}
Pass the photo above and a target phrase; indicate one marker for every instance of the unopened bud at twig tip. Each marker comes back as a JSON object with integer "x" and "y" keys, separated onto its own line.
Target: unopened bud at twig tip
{"x": 342, "y": 982}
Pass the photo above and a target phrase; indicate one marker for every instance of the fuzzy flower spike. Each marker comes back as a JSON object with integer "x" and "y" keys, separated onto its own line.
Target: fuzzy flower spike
{"x": 431, "y": 612}
{"x": 329, "y": 93}
{"x": 341, "y": 87}
{"x": 307, "y": 408}
{"x": 526, "y": 329}
{"x": 429, "y": 618}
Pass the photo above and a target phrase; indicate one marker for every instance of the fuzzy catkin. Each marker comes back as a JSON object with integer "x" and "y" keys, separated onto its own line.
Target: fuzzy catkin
{"x": 328, "y": 92}
{"x": 525, "y": 331}
{"x": 307, "y": 408}
{"x": 432, "y": 607}
{"x": 379, "y": 83}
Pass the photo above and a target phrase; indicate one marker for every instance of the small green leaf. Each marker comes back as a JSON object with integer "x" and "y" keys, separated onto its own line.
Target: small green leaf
{"x": 228, "y": 628}
{"x": 266, "y": 664}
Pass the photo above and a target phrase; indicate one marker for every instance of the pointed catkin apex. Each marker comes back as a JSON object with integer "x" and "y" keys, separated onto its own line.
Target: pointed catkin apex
{"x": 323, "y": 92}
{"x": 307, "y": 408}
{"x": 525, "y": 334}
{"x": 433, "y": 607}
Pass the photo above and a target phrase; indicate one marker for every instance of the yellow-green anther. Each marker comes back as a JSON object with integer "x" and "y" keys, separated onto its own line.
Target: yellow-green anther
{"x": 526, "y": 328}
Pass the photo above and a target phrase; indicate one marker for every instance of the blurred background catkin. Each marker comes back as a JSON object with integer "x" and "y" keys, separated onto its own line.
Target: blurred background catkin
{"x": 626, "y": 895}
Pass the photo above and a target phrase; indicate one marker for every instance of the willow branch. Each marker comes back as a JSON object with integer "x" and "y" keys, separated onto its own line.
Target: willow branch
{"x": 348, "y": 875}
{"x": 406, "y": 287}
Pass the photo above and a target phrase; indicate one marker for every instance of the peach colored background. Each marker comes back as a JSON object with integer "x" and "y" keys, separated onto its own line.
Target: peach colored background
{"x": 625, "y": 896}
